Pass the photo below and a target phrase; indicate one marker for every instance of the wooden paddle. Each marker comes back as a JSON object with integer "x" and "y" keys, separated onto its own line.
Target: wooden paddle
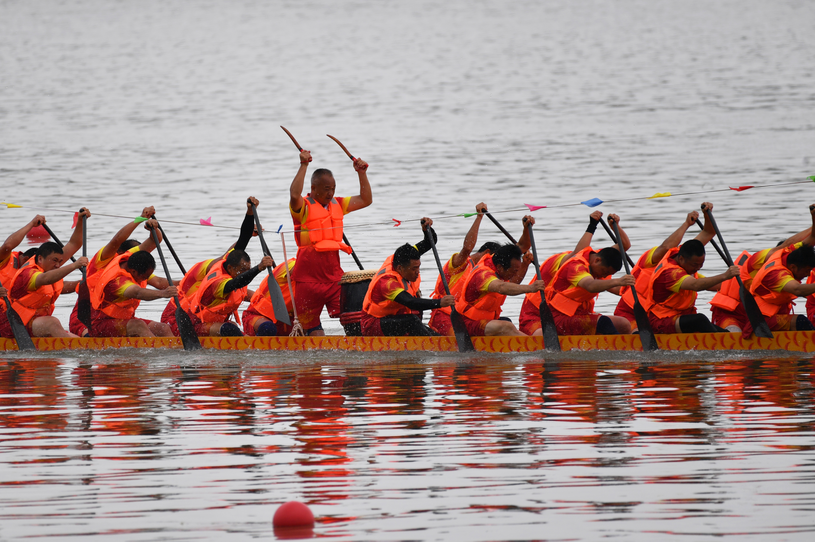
{"x": 344, "y": 238}
{"x": 465, "y": 343}
{"x": 649, "y": 341}
{"x": 21, "y": 335}
{"x": 83, "y": 310}
{"x": 351, "y": 156}
{"x": 760, "y": 327}
{"x": 281, "y": 313}
{"x": 615, "y": 238}
{"x": 550, "y": 337}
{"x": 169, "y": 246}
{"x": 189, "y": 338}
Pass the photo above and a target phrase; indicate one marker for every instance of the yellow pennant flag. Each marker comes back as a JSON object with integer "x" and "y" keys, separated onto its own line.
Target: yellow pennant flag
{"x": 12, "y": 206}
{"x": 661, "y": 195}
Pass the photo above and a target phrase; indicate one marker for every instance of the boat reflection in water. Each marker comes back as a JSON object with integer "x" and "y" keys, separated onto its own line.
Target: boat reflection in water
{"x": 401, "y": 447}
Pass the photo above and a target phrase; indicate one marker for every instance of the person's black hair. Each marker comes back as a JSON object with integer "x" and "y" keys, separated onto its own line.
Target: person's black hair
{"x": 46, "y": 249}
{"x": 127, "y": 245}
{"x": 504, "y": 255}
{"x": 236, "y": 257}
{"x": 319, "y": 173}
{"x": 405, "y": 254}
{"x": 803, "y": 256}
{"x": 692, "y": 248}
{"x": 611, "y": 257}
{"x": 142, "y": 262}
{"x": 491, "y": 246}
{"x": 30, "y": 253}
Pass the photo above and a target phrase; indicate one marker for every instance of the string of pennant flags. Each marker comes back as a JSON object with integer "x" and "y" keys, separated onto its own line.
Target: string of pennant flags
{"x": 528, "y": 207}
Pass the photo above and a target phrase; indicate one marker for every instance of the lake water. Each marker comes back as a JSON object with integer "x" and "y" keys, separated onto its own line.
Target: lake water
{"x": 116, "y": 105}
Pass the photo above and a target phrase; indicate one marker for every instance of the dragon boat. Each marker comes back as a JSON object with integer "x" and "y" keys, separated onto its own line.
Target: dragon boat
{"x": 787, "y": 341}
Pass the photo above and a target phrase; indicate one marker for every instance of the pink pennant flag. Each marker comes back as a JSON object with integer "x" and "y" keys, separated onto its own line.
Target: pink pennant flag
{"x": 207, "y": 222}
{"x": 398, "y": 222}
{"x": 76, "y": 219}
{"x": 535, "y": 207}
{"x": 741, "y": 188}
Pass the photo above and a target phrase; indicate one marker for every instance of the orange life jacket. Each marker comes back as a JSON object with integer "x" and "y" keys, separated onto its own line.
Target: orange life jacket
{"x": 574, "y": 297}
{"x": 535, "y": 297}
{"x": 40, "y": 302}
{"x": 386, "y": 307}
{"x": 262, "y": 303}
{"x": 220, "y": 309}
{"x": 456, "y": 283}
{"x": 770, "y": 302}
{"x": 728, "y": 297}
{"x": 10, "y": 269}
{"x": 322, "y": 228}
{"x": 488, "y": 305}
{"x": 121, "y": 310}
{"x": 190, "y": 283}
{"x": 642, "y": 276}
{"x": 677, "y": 303}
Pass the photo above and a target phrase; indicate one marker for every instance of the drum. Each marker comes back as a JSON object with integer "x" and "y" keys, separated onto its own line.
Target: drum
{"x": 353, "y": 287}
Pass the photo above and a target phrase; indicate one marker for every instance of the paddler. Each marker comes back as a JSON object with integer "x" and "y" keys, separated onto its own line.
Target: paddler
{"x": 727, "y": 310}
{"x": 318, "y": 230}
{"x": 36, "y": 286}
{"x": 530, "y": 318}
{"x": 196, "y": 274}
{"x": 456, "y": 270}
{"x": 778, "y": 283}
{"x": 117, "y": 292}
{"x": 11, "y": 260}
{"x": 645, "y": 265}
{"x": 670, "y": 296}
{"x": 392, "y": 305}
{"x": 577, "y": 283}
{"x": 258, "y": 318}
{"x": 118, "y": 245}
{"x": 496, "y": 276}
{"x": 221, "y": 293}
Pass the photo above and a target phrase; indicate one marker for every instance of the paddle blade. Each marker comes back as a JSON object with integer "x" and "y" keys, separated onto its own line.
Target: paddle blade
{"x": 465, "y": 343}
{"x": 186, "y": 330}
{"x": 760, "y": 327}
{"x": 550, "y": 338}
{"x": 21, "y": 335}
{"x": 649, "y": 341}
{"x": 83, "y": 310}
{"x": 281, "y": 313}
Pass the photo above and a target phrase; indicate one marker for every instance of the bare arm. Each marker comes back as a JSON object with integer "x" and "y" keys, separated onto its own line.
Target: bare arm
{"x": 17, "y": 237}
{"x": 801, "y": 290}
{"x": 675, "y": 238}
{"x": 615, "y": 219}
{"x": 585, "y": 239}
{"x": 598, "y": 285}
{"x": 707, "y": 283}
{"x": 524, "y": 243}
{"x": 365, "y": 197}
{"x": 145, "y": 294}
{"x": 471, "y": 238}
{"x": 75, "y": 242}
{"x": 707, "y": 234}
{"x": 510, "y": 288}
{"x": 158, "y": 283}
{"x": 805, "y": 236}
{"x": 55, "y": 275}
{"x": 124, "y": 234}
{"x": 296, "y": 188}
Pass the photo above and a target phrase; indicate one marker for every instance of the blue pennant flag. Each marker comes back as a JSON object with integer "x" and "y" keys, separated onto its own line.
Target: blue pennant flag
{"x": 594, "y": 202}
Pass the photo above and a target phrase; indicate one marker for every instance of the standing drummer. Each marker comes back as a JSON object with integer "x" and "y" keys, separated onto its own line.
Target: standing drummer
{"x": 318, "y": 233}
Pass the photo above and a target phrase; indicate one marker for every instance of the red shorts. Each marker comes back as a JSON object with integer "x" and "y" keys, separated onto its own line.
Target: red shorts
{"x": 111, "y": 327}
{"x": 529, "y": 320}
{"x": 579, "y": 324}
{"x": 311, "y": 297}
{"x": 624, "y": 311}
{"x": 663, "y": 325}
{"x": 5, "y": 326}
{"x": 250, "y": 317}
{"x": 440, "y": 323}
{"x": 475, "y": 327}
{"x": 723, "y": 317}
{"x": 201, "y": 328}
{"x": 74, "y": 325}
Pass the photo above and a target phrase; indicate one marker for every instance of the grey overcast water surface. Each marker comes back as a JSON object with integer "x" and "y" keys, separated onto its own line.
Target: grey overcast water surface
{"x": 115, "y": 105}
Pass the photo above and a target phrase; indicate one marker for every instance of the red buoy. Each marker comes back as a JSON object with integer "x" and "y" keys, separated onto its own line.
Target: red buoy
{"x": 37, "y": 232}
{"x": 293, "y": 514}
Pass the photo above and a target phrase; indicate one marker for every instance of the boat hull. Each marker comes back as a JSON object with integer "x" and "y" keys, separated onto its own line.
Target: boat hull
{"x": 790, "y": 341}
